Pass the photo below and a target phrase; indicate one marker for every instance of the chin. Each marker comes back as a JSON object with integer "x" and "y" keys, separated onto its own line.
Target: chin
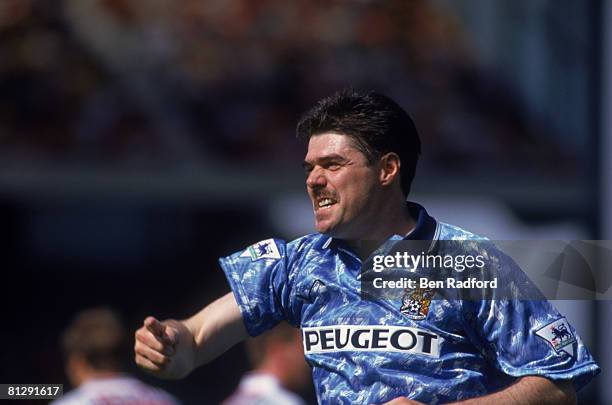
{"x": 331, "y": 232}
{"x": 325, "y": 230}
{"x": 330, "y": 228}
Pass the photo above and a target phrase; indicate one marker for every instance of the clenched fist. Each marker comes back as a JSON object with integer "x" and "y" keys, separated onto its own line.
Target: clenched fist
{"x": 164, "y": 349}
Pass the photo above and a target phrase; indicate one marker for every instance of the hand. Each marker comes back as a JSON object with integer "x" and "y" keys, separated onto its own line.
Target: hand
{"x": 163, "y": 348}
{"x": 402, "y": 401}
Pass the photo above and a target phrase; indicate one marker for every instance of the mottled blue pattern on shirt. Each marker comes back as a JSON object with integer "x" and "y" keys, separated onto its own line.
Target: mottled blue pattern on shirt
{"x": 484, "y": 345}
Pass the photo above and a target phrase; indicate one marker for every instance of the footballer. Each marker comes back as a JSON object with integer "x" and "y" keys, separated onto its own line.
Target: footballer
{"x": 361, "y": 159}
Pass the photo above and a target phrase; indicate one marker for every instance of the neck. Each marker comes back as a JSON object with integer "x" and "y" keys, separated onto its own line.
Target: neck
{"x": 97, "y": 375}
{"x": 79, "y": 372}
{"x": 392, "y": 219}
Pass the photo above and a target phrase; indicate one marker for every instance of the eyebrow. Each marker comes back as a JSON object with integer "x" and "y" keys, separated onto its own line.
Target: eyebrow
{"x": 334, "y": 157}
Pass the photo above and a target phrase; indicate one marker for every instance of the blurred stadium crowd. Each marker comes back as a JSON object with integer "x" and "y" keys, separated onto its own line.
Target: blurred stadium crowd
{"x": 167, "y": 82}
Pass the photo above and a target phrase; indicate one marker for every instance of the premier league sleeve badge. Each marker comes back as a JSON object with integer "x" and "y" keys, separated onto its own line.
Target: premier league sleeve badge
{"x": 559, "y": 336}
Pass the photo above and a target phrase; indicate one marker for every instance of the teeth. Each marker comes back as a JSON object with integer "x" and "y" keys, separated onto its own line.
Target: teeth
{"x": 325, "y": 202}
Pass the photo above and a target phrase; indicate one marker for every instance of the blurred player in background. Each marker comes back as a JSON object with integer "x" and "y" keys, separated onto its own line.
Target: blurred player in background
{"x": 279, "y": 370}
{"x": 362, "y": 154}
{"x": 96, "y": 348}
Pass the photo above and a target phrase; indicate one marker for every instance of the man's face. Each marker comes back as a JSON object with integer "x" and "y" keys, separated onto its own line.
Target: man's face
{"x": 341, "y": 185}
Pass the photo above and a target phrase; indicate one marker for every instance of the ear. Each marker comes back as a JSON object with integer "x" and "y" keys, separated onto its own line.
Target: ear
{"x": 389, "y": 168}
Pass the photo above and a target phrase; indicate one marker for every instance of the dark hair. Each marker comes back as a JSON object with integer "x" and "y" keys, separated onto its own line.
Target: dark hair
{"x": 376, "y": 124}
{"x": 98, "y": 335}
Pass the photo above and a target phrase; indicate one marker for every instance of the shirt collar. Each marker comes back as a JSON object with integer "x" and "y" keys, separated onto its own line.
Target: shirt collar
{"x": 425, "y": 227}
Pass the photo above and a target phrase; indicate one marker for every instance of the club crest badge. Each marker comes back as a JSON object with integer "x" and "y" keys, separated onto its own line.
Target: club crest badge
{"x": 266, "y": 249}
{"x": 559, "y": 336}
{"x": 416, "y": 303}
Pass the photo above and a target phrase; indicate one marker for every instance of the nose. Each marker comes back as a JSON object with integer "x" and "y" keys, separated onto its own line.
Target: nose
{"x": 316, "y": 179}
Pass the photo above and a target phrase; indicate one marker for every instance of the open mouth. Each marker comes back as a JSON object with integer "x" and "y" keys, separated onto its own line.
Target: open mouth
{"x": 325, "y": 202}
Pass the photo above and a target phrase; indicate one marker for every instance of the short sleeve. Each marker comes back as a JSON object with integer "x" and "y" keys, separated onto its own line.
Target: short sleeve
{"x": 528, "y": 337}
{"x": 259, "y": 280}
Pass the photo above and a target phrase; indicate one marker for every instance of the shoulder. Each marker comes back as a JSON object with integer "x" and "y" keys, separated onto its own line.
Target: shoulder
{"x": 452, "y": 232}
{"x": 305, "y": 249}
{"x": 259, "y": 389}
{"x": 456, "y": 239}
{"x": 276, "y": 248}
{"x": 307, "y": 243}
{"x": 152, "y": 395}
{"x": 124, "y": 388}
{"x": 274, "y": 251}
{"x": 74, "y": 397}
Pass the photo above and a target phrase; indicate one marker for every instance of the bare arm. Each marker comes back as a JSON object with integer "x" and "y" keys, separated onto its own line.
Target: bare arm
{"x": 172, "y": 348}
{"x": 528, "y": 390}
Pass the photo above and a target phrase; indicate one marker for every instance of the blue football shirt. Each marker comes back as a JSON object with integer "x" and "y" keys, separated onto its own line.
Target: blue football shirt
{"x": 369, "y": 352}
